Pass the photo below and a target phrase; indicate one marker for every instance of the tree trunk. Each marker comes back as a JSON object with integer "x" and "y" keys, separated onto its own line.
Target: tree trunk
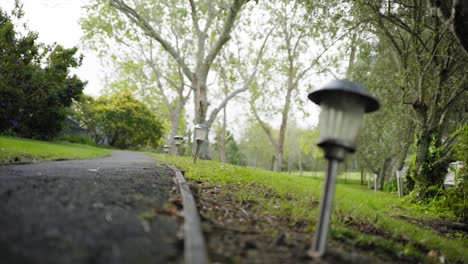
{"x": 300, "y": 164}
{"x": 362, "y": 176}
{"x": 382, "y": 173}
{"x": 273, "y": 161}
{"x": 222, "y": 147}
{"x": 201, "y": 107}
{"x": 174, "y": 129}
{"x": 278, "y": 161}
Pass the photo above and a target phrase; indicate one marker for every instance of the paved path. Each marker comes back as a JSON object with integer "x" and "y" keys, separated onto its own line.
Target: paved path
{"x": 104, "y": 210}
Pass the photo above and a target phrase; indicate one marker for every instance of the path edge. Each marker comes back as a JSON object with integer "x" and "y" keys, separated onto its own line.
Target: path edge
{"x": 194, "y": 243}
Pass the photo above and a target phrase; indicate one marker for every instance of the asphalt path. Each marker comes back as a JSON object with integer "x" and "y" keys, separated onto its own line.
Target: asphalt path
{"x": 105, "y": 210}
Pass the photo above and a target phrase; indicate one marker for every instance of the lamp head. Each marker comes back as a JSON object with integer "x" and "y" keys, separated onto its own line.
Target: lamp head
{"x": 201, "y": 131}
{"x": 343, "y": 104}
{"x": 178, "y": 140}
{"x": 166, "y": 148}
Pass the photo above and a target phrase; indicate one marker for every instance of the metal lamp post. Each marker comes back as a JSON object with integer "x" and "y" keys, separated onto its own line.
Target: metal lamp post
{"x": 343, "y": 104}
{"x": 177, "y": 142}
{"x": 200, "y": 132}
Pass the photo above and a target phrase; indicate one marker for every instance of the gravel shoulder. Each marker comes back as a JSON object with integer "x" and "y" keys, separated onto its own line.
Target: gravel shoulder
{"x": 118, "y": 209}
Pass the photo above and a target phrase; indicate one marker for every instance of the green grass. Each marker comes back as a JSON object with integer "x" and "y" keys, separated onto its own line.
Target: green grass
{"x": 356, "y": 209}
{"x": 26, "y": 150}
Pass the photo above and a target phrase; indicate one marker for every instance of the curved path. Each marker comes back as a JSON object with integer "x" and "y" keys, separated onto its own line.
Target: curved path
{"x": 107, "y": 210}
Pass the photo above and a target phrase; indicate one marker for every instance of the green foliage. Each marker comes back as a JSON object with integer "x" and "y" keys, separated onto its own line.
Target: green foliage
{"x": 461, "y": 151}
{"x": 430, "y": 177}
{"x": 127, "y": 122}
{"x": 27, "y": 150}
{"x": 457, "y": 198}
{"x": 452, "y": 200}
{"x": 36, "y": 87}
{"x": 233, "y": 154}
{"x": 85, "y": 140}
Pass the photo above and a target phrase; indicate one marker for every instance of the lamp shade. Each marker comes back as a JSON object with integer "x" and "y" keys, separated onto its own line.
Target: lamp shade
{"x": 166, "y": 148}
{"x": 178, "y": 140}
{"x": 200, "y": 132}
{"x": 343, "y": 104}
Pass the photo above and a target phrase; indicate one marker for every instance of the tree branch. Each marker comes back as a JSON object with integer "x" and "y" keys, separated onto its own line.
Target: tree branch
{"x": 225, "y": 33}
{"x": 135, "y": 17}
{"x": 263, "y": 125}
{"x": 246, "y": 84}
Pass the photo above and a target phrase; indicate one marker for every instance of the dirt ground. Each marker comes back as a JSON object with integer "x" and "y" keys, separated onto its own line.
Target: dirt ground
{"x": 237, "y": 233}
{"x": 110, "y": 210}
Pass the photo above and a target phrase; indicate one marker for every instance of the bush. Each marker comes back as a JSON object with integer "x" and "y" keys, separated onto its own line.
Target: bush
{"x": 77, "y": 139}
{"x": 457, "y": 201}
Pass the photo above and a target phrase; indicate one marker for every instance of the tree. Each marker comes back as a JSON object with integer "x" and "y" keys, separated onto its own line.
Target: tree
{"x": 433, "y": 80}
{"x": 286, "y": 66}
{"x": 385, "y": 136}
{"x": 127, "y": 122}
{"x": 455, "y": 15}
{"x": 204, "y": 27}
{"x": 36, "y": 87}
{"x": 255, "y": 147}
{"x": 141, "y": 64}
{"x": 229, "y": 148}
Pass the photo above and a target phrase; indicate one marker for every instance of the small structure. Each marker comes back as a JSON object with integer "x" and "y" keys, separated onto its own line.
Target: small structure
{"x": 73, "y": 127}
{"x": 451, "y": 178}
{"x": 177, "y": 142}
{"x": 166, "y": 149}
{"x": 200, "y": 133}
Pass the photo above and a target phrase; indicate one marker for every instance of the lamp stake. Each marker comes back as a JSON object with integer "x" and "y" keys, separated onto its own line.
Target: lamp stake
{"x": 326, "y": 206}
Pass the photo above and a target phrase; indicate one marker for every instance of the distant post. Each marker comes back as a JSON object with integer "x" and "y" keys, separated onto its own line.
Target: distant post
{"x": 343, "y": 104}
{"x": 376, "y": 182}
{"x": 369, "y": 182}
{"x": 166, "y": 149}
{"x": 399, "y": 183}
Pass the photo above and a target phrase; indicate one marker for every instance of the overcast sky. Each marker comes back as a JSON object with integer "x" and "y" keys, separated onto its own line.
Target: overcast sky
{"x": 58, "y": 21}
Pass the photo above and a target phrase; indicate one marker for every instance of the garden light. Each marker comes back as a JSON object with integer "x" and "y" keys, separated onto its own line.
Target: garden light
{"x": 201, "y": 131}
{"x": 166, "y": 149}
{"x": 343, "y": 104}
{"x": 177, "y": 142}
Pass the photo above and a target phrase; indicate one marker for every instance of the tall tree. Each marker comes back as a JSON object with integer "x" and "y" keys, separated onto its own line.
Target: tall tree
{"x": 141, "y": 64}
{"x": 434, "y": 81}
{"x": 204, "y": 26}
{"x": 287, "y": 64}
{"x": 454, "y": 14}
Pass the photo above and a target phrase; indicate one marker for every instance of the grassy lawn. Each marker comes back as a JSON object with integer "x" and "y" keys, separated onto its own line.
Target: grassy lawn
{"x": 363, "y": 219}
{"x": 25, "y": 150}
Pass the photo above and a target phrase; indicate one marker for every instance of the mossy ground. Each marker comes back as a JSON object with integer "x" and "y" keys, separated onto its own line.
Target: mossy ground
{"x": 253, "y": 215}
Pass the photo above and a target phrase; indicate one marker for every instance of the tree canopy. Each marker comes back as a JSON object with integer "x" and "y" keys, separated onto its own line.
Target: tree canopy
{"x": 36, "y": 87}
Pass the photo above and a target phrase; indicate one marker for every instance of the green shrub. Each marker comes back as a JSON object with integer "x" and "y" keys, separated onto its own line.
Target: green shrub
{"x": 391, "y": 185}
{"x": 77, "y": 139}
{"x": 457, "y": 201}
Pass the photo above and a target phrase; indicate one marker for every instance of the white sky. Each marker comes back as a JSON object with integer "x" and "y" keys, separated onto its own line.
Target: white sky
{"x": 58, "y": 21}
